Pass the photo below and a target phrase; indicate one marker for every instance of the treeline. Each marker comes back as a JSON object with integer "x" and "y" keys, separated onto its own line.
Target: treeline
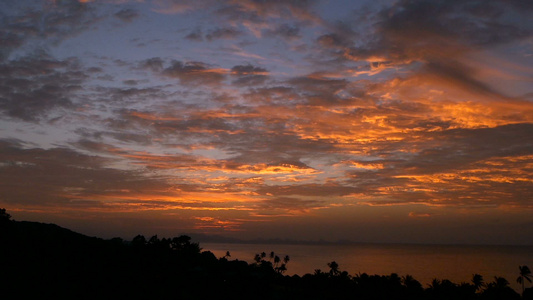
{"x": 47, "y": 261}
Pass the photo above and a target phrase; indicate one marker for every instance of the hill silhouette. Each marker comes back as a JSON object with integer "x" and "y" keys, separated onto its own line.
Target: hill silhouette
{"x": 48, "y": 261}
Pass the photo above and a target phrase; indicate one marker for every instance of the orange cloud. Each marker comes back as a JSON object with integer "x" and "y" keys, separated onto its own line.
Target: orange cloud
{"x": 419, "y": 215}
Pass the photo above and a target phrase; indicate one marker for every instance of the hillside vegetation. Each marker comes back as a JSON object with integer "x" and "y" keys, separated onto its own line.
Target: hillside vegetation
{"x": 47, "y": 261}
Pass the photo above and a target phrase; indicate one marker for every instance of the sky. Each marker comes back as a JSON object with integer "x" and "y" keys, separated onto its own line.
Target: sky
{"x": 368, "y": 121}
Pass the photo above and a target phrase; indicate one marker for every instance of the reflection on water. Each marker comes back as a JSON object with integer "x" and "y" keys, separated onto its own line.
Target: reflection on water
{"x": 424, "y": 262}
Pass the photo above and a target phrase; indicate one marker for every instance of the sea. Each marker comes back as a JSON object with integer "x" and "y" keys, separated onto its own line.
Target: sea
{"x": 456, "y": 263}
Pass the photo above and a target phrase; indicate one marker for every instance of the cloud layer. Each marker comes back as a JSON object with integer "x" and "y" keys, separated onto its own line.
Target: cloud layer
{"x": 231, "y": 116}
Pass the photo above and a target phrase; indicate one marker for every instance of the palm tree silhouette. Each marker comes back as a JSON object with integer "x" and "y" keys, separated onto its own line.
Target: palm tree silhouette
{"x": 281, "y": 268}
{"x": 477, "y": 280}
{"x": 435, "y": 284}
{"x": 257, "y": 258}
{"x": 500, "y": 282}
{"x": 525, "y": 274}
{"x": 334, "y": 266}
{"x": 410, "y": 282}
{"x": 277, "y": 260}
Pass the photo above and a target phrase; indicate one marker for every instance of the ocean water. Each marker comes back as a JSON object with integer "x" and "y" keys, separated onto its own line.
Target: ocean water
{"x": 423, "y": 262}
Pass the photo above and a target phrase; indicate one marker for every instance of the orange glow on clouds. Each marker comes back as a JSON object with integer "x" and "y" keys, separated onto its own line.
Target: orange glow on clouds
{"x": 298, "y": 112}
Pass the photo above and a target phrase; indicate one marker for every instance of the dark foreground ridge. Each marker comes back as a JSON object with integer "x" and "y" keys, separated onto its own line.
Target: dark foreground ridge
{"x": 45, "y": 261}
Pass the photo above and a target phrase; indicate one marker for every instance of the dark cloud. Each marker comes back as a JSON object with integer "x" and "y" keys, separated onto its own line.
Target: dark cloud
{"x": 480, "y": 144}
{"x": 154, "y": 64}
{"x": 95, "y": 70}
{"x": 334, "y": 40}
{"x": 468, "y": 167}
{"x": 243, "y": 70}
{"x": 130, "y": 82}
{"x": 272, "y": 94}
{"x": 433, "y": 37}
{"x": 238, "y": 12}
{"x": 223, "y": 33}
{"x": 127, "y": 15}
{"x": 260, "y": 139}
{"x": 291, "y": 204}
{"x": 36, "y": 20}
{"x": 182, "y": 6}
{"x": 455, "y": 149}
{"x": 320, "y": 90}
{"x": 434, "y": 34}
{"x": 316, "y": 190}
{"x": 150, "y": 161}
{"x": 128, "y": 95}
{"x": 34, "y": 85}
{"x": 471, "y": 22}
{"x": 425, "y": 30}
{"x": 34, "y": 176}
{"x": 459, "y": 75}
{"x": 252, "y": 137}
{"x": 262, "y": 145}
{"x": 261, "y": 11}
{"x": 226, "y": 33}
{"x": 61, "y": 179}
{"x": 195, "y": 35}
{"x": 249, "y": 75}
{"x": 119, "y": 131}
{"x": 190, "y": 73}
{"x": 341, "y": 36}
{"x": 196, "y": 125}
{"x": 285, "y": 31}
{"x": 15, "y": 29}
{"x": 8, "y": 42}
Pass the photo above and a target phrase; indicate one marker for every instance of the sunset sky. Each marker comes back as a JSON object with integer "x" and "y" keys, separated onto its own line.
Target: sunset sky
{"x": 369, "y": 121}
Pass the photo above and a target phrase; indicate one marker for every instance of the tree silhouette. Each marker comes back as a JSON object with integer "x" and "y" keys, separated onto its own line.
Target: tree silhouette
{"x": 153, "y": 240}
{"x": 477, "y": 281}
{"x": 407, "y": 279}
{"x": 334, "y": 268}
{"x": 277, "y": 260}
{"x": 411, "y": 283}
{"x": 153, "y": 268}
{"x": 4, "y": 216}
{"x": 500, "y": 282}
{"x": 435, "y": 284}
{"x": 257, "y": 258}
{"x": 138, "y": 241}
{"x": 499, "y": 289}
{"x": 525, "y": 274}
{"x": 286, "y": 259}
{"x": 281, "y": 268}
